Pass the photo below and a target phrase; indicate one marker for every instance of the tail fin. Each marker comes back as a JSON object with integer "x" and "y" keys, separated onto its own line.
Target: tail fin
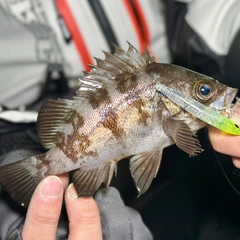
{"x": 20, "y": 179}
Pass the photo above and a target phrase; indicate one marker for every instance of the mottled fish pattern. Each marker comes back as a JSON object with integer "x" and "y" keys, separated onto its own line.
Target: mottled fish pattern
{"x": 116, "y": 113}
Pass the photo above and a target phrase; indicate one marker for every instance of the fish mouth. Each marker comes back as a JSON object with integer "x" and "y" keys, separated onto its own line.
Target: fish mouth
{"x": 230, "y": 95}
{"x": 226, "y": 109}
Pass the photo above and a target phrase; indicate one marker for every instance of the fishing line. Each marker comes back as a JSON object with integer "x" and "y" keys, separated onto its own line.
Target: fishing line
{"x": 225, "y": 174}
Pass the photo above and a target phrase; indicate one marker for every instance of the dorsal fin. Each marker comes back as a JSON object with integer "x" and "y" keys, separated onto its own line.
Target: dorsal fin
{"x": 92, "y": 90}
{"x": 50, "y": 118}
{"x": 114, "y": 65}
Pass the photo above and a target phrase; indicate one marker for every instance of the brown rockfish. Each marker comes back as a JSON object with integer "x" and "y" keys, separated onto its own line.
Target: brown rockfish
{"x": 116, "y": 113}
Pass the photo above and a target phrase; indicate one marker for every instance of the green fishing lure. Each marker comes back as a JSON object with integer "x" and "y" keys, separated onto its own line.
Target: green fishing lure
{"x": 199, "y": 110}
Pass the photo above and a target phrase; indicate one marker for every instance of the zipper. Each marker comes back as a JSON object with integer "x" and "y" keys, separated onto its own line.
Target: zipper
{"x": 104, "y": 23}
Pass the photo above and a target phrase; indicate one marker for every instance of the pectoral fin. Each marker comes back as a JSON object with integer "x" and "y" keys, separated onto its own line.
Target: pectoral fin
{"x": 88, "y": 181}
{"x": 183, "y": 136}
{"x": 144, "y": 168}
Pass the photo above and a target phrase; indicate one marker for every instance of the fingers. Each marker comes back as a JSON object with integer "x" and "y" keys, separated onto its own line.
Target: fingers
{"x": 45, "y": 207}
{"x": 65, "y": 179}
{"x": 83, "y": 214}
{"x": 236, "y": 161}
{"x": 225, "y": 143}
{"x": 44, "y": 210}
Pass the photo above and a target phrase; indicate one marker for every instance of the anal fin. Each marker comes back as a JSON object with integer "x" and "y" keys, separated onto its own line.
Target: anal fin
{"x": 88, "y": 181}
{"x": 144, "y": 168}
{"x": 20, "y": 179}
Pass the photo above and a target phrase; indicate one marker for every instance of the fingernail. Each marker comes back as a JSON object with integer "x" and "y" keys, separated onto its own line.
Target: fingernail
{"x": 52, "y": 187}
{"x": 72, "y": 191}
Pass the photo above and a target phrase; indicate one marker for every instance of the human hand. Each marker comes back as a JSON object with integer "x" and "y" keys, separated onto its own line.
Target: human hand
{"x": 45, "y": 207}
{"x": 225, "y": 143}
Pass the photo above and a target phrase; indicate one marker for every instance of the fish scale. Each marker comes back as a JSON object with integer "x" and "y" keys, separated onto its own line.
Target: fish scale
{"x": 118, "y": 112}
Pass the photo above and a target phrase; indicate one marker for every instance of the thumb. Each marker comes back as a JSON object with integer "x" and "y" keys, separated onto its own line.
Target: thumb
{"x": 44, "y": 210}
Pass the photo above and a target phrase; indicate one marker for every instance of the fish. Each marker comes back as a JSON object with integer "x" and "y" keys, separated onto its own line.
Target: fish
{"x": 117, "y": 113}
{"x": 205, "y": 113}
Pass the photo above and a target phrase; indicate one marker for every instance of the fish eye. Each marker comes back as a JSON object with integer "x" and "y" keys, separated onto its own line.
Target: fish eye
{"x": 204, "y": 90}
